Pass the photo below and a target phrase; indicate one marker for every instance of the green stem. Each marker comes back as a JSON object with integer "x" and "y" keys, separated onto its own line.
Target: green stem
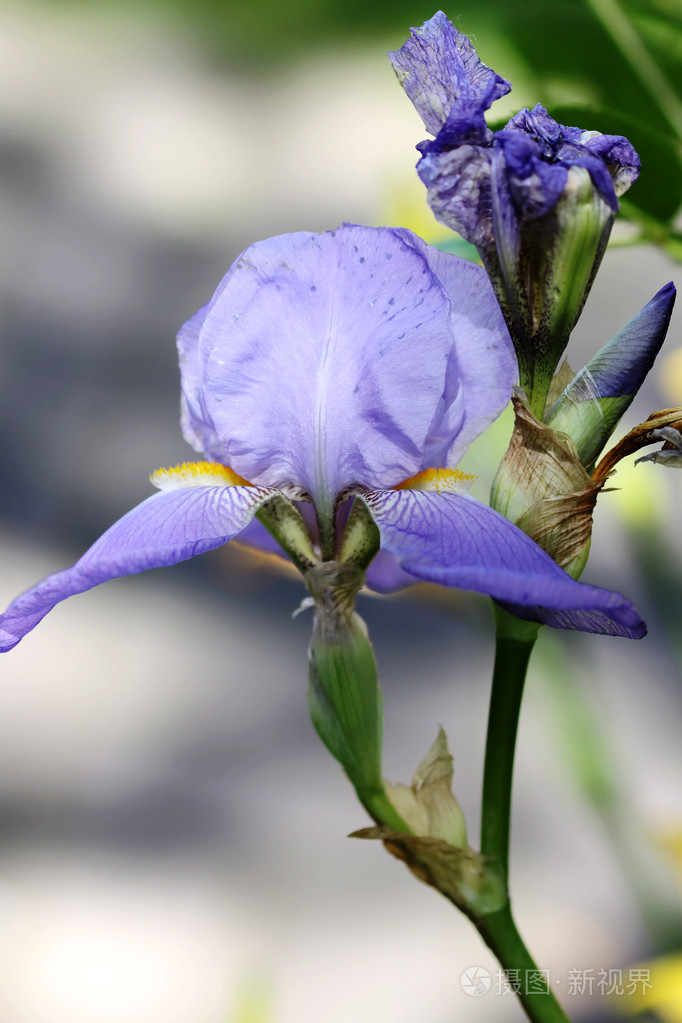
{"x": 530, "y": 984}
{"x": 515, "y": 640}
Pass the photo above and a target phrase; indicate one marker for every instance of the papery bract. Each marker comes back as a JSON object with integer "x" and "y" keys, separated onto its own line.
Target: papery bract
{"x": 543, "y": 483}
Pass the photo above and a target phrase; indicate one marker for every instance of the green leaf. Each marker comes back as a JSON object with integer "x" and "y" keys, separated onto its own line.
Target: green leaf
{"x": 458, "y": 247}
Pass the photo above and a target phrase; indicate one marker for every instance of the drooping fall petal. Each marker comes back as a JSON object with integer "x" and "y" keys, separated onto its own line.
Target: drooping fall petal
{"x": 165, "y": 529}
{"x": 454, "y": 540}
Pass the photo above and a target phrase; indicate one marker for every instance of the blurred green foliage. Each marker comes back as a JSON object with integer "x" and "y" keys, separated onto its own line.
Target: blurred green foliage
{"x": 610, "y": 65}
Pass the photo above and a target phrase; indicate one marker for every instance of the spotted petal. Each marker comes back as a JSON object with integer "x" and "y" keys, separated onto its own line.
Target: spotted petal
{"x": 165, "y": 529}
{"x": 322, "y": 359}
{"x": 454, "y": 540}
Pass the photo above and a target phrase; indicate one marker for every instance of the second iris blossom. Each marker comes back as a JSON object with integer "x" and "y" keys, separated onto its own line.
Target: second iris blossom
{"x": 538, "y": 200}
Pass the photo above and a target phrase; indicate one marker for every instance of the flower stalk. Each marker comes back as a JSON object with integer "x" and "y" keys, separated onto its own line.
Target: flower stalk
{"x": 500, "y": 934}
{"x": 515, "y": 641}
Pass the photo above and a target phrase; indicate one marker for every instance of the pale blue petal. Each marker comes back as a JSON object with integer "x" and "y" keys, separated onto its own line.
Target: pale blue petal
{"x": 163, "y": 530}
{"x": 384, "y": 575}
{"x": 323, "y": 359}
{"x": 482, "y": 368}
{"x": 455, "y": 540}
{"x": 197, "y": 428}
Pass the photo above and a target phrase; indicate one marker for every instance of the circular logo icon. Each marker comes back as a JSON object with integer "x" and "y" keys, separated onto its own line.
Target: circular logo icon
{"x": 475, "y": 981}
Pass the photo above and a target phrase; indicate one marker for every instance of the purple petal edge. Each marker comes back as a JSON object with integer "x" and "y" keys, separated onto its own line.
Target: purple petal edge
{"x": 454, "y": 540}
{"x": 438, "y": 67}
{"x": 622, "y": 365}
{"x": 165, "y": 529}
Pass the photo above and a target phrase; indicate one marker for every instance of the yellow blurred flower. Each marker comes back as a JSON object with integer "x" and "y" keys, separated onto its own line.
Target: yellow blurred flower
{"x": 670, "y": 376}
{"x": 662, "y": 995}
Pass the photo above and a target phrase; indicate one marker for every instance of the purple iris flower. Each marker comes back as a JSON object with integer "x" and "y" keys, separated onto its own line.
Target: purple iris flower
{"x": 329, "y": 369}
{"x": 537, "y": 198}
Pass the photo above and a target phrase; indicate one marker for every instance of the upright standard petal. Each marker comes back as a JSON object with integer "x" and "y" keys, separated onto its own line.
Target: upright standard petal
{"x": 195, "y": 421}
{"x": 323, "y": 358}
{"x": 438, "y": 67}
{"x": 165, "y": 529}
{"x": 455, "y": 540}
{"x": 482, "y": 368}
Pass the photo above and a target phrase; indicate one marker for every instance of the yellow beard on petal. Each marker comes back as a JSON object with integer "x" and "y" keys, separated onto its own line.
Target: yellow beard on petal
{"x": 197, "y": 474}
{"x": 442, "y": 481}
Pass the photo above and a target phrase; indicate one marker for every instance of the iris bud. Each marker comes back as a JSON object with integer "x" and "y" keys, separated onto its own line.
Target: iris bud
{"x": 594, "y": 401}
{"x": 543, "y": 484}
{"x": 546, "y": 268}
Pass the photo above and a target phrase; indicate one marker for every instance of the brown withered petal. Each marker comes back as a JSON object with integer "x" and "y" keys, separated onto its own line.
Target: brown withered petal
{"x": 543, "y": 488}
{"x": 562, "y": 525}
{"x": 639, "y": 437}
{"x": 474, "y": 883}
{"x": 428, "y": 805}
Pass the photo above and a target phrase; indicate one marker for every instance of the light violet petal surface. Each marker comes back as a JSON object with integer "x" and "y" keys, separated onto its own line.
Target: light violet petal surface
{"x": 197, "y": 428}
{"x": 438, "y": 66}
{"x": 454, "y": 540}
{"x": 482, "y": 368}
{"x": 384, "y": 575}
{"x": 323, "y": 358}
{"x": 163, "y": 530}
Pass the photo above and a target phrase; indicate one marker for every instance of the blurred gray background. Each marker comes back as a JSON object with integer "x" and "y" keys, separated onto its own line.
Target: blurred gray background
{"x": 172, "y": 833}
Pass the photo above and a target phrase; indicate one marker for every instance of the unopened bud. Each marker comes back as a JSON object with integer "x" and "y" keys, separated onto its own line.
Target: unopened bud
{"x": 595, "y": 399}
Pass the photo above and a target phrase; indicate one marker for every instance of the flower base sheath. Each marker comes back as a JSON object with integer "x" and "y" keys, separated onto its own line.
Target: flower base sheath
{"x": 332, "y": 369}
